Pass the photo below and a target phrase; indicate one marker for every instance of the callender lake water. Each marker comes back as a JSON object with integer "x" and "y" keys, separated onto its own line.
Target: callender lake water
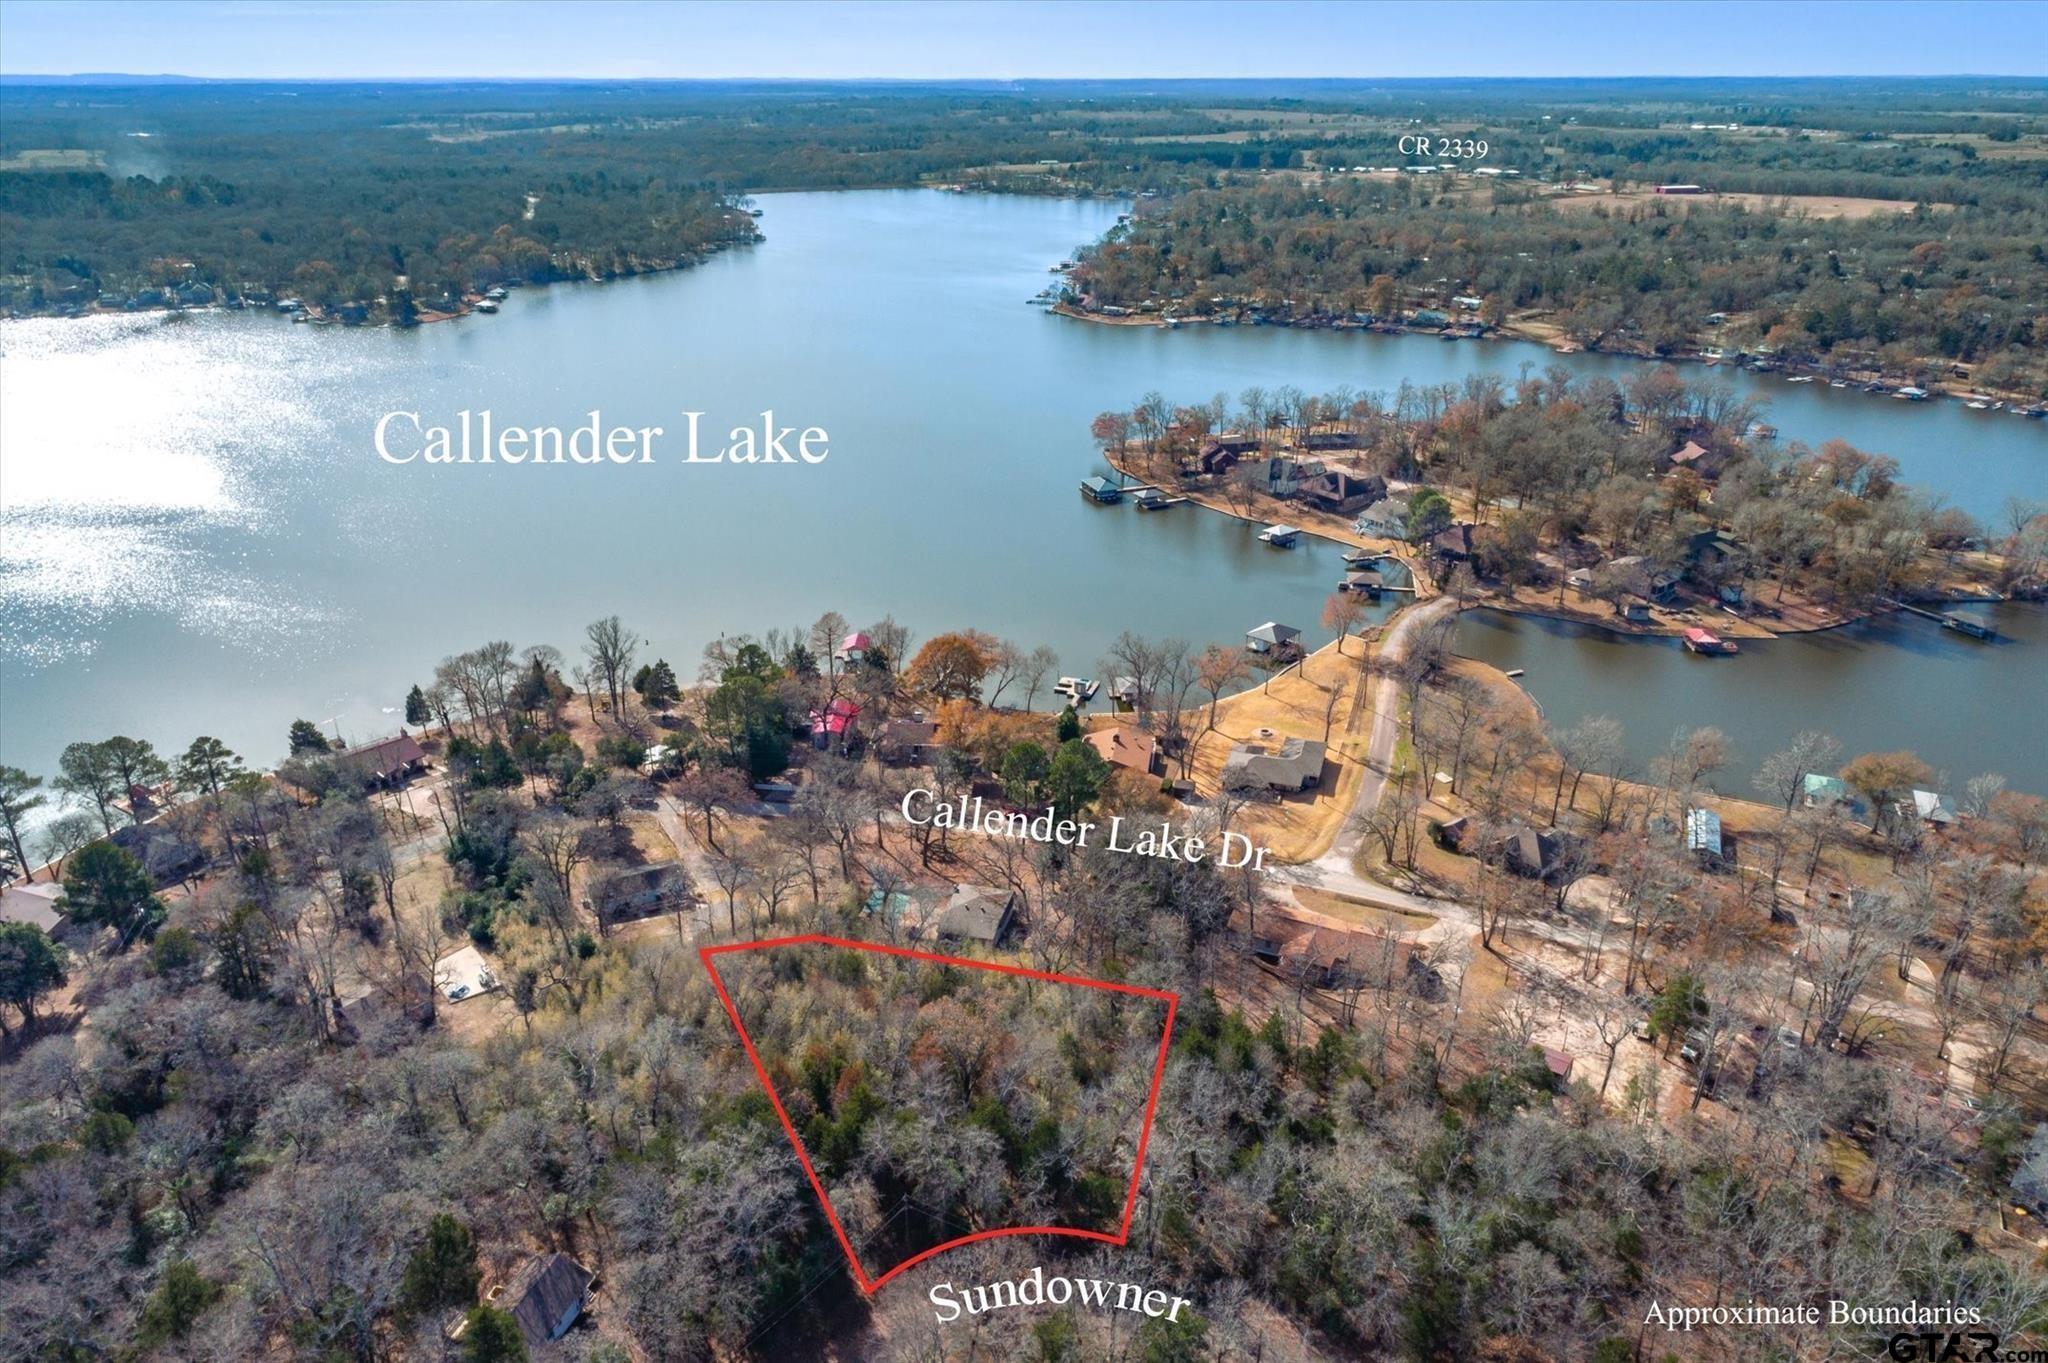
{"x": 196, "y": 535}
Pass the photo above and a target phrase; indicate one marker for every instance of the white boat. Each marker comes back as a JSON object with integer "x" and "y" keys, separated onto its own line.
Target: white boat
{"x": 1079, "y": 690}
{"x": 1802, "y": 378}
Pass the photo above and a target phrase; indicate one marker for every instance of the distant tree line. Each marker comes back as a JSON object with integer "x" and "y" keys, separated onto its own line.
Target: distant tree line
{"x": 1892, "y": 289}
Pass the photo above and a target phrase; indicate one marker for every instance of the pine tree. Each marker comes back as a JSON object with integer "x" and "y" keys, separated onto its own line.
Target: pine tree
{"x": 442, "y": 1271}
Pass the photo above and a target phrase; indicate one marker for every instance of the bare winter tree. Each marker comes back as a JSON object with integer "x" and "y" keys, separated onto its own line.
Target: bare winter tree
{"x": 1839, "y": 958}
{"x": 1217, "y": 670}
{"x": 893, "y": 640}
{"x": 1032, "y": 672}
{"x": 1173, "y": 685}
{"x": 1009, "y": 663}
{"x": 824, "y": 638}
{"x": 610, "y": 649}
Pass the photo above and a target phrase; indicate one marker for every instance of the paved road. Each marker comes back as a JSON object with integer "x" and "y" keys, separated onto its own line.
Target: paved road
{"x": 1333, "y": 870}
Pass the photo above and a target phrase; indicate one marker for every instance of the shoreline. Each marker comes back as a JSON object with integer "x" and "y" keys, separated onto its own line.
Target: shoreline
{"x": 1516, "y": 332}
{"x": 315, "y": 315}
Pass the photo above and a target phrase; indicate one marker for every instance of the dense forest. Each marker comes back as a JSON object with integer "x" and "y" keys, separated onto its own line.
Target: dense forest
{"x": 1894, "y": 290}
{"x": 192, "y": 192}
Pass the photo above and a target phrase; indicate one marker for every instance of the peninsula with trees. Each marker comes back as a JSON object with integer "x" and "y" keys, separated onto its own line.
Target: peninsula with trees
{"x": 1646, "y": 506}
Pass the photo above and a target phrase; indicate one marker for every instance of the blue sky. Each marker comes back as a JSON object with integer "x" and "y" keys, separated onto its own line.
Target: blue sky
{"x": 1082, "y": 38}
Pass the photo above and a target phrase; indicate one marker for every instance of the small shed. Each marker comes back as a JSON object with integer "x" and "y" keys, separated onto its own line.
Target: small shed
{"x": 545, "y": 1295}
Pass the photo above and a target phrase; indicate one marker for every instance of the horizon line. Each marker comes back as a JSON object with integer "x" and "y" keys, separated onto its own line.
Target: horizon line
{"x": 7, "y": 77}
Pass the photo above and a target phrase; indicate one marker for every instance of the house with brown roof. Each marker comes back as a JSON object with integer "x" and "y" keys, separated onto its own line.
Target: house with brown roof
{"x": 906, "y": 739}
{"x": 1221, "y": 451}
{"x": 1534, "y": 853}
{"x": 1324, "y": 957}
{"x": 1701, "y": 460}
{"x": 1126, "y": 747}
{"x": 386, "y": 762}
{"x": 1343, "y": 491}
{"x": 1454, "y": 545}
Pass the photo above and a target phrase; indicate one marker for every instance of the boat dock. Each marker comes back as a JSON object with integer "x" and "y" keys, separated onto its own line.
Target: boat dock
{"x": 1961, "y": 624}
{"x": 1706, "y": 642}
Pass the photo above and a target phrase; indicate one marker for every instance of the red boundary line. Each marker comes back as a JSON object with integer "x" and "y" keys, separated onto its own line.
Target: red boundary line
{"x": 868, "y": 1285}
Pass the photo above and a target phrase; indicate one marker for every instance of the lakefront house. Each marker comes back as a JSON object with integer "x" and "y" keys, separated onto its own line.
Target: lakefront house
{"x": 1385, "y": 519}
